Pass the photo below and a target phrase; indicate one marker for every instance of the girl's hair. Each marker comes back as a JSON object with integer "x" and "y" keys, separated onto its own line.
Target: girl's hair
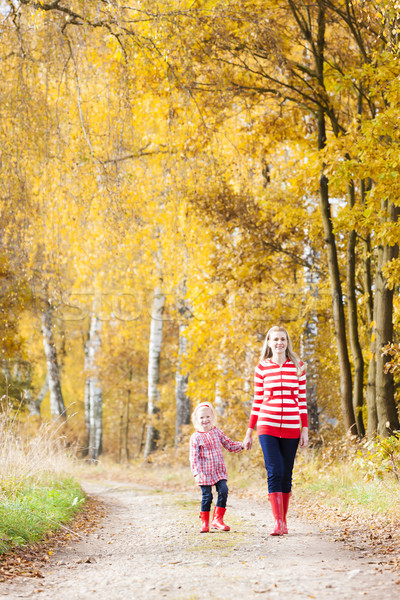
{"x": 266, "y": 351}
{"x": 204, "y": 405}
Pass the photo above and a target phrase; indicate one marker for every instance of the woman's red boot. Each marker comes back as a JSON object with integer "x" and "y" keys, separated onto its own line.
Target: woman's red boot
{"x": 285, "y": 502}
{"x": 205, "y": 521}
{"x": 218, "y": 519}
{"x": 277, "y": 510}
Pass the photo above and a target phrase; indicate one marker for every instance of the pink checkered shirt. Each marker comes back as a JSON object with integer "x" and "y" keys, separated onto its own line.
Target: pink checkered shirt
{"x": 206, "y": 459}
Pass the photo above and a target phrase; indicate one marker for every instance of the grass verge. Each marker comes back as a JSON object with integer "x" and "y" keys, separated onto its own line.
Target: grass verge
{"x": 38, "y": 493}
{"x": 342, "y": 484}
{"x": 30, "y": 514}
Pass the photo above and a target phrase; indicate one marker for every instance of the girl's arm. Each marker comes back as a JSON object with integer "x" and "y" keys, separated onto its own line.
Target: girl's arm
{"x": 229, "y": 444}
{"x": 193, "y": 456}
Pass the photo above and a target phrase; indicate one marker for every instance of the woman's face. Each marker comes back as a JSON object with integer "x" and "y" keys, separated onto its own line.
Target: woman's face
{"x": 204, "y": 418}
{"x": 278, "y": 342}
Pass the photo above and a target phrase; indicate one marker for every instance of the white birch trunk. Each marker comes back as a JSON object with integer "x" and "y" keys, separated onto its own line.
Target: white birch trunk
{"x": 219, "y": 401}
{"x": 87, "y": 396}
{"x": 34, "y": 405}
{"x": 57, "y": 407}
{"x": 153, "y": 375}
{"x": 93, "y": 391}
{"x": 181, "y": 385}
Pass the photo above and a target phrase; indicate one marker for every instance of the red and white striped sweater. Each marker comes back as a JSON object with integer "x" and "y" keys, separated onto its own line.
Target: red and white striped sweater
{"x": 279, "y": 405}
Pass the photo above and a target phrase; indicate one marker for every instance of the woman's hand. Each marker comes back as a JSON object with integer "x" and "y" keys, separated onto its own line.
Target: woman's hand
{"x": 248, "y": 440}
{"x": 304, "y": 437}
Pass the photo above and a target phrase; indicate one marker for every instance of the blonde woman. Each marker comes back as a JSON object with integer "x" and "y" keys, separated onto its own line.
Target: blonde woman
{"x": 208, "y": 465}
{"x": 280, "y": 412}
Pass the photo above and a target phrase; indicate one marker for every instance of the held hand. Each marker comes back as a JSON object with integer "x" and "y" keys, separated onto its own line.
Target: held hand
{"x": 248, "y": 440}
{"x": 304, "y": 437}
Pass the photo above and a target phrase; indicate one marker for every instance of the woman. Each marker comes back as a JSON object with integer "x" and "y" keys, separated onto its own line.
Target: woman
{"x": 280, "y": 412}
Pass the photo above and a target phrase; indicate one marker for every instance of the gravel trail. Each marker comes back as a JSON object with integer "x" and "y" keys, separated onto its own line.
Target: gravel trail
{"x": 148, "y": 546}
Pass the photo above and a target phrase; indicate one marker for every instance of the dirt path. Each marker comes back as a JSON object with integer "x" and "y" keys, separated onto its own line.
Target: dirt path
{"x": 149, "y": 547}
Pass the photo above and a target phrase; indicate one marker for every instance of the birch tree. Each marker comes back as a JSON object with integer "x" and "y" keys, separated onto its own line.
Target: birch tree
{"x": 93, "y": 390}
{"x": 35, "y": 404}
{"x": 57, "y": 407}
{"x": 153, "y": 373}
{"x": 181, "y": 378}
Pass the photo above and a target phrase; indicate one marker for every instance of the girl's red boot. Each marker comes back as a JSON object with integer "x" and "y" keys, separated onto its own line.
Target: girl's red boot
{"x": 285, "y": 502}
{"x": 205, "y": 520}
{"x": 277, "y": 510}
{"x": 218, "y": 521}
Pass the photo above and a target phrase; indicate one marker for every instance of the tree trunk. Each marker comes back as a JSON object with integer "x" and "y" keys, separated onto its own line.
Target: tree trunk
{"x": 93, "y": 391}
{"x": 388, "y": 419}
{"x": 309, "y": 336}
{"x": 365, "y": 186}
{"x": 337, "y": 304}
{"x": 333, "y": 264}
{"x": 153, "y": 375}
{"x": 126, "y": 428}
{"x": 87, "y": 396}
{"x": 34, "y": 405}
{"x": 372, "y": 424}
{"x": 181, "y": 385}
{"x": 121, "y": 426}
{"x": 57, "y": 407}
{"x": 355, "y": 345}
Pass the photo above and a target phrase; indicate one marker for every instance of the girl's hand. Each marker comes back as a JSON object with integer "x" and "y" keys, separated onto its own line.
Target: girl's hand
{"x": 304, "y": 437}
{"x": 248, "y": 440}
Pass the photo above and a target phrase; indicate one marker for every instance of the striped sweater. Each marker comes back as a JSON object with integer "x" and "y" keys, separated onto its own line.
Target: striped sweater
{"x": 279, "y": 405}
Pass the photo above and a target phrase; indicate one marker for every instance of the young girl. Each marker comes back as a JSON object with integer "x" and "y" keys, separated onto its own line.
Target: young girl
{"x": 208, "y": 465}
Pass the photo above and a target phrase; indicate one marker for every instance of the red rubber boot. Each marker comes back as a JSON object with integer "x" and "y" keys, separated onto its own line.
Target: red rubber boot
{"x": 277, "y": 510}
{"x": 218, "y": 519}
{"x": 205, "y": 520}
{"x": 285, "y": 502}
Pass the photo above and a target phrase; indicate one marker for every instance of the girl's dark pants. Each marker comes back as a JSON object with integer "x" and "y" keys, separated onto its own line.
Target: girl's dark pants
{"x": 279, "y": 454}
{"x": 206, "y": 490}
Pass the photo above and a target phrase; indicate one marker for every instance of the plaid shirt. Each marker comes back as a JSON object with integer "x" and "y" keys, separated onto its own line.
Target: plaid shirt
{"x": 206, "y": 459}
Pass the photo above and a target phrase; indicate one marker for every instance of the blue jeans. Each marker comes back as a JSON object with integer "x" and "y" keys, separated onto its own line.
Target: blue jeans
{"x": 206, "y": 500}
{"x": 279, "y": 454}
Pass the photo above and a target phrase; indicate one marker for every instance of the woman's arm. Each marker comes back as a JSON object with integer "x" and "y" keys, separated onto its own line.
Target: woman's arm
{"x": 248, "y": 440}
{"x": 304, "y": 437}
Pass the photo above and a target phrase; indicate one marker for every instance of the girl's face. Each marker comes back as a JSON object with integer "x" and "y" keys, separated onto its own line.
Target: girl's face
{"x": 204, "y": 418}
{"x": 278, "y": 342}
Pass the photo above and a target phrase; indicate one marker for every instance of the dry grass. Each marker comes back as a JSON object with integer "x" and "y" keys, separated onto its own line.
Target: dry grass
{"x": 37, "y": 492}
{"x": 30, "y": 456}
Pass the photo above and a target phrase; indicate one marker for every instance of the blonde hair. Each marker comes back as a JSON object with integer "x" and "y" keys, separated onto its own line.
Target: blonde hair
{"x": 266, "y": 351}
{"x": 204, "y": 405}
